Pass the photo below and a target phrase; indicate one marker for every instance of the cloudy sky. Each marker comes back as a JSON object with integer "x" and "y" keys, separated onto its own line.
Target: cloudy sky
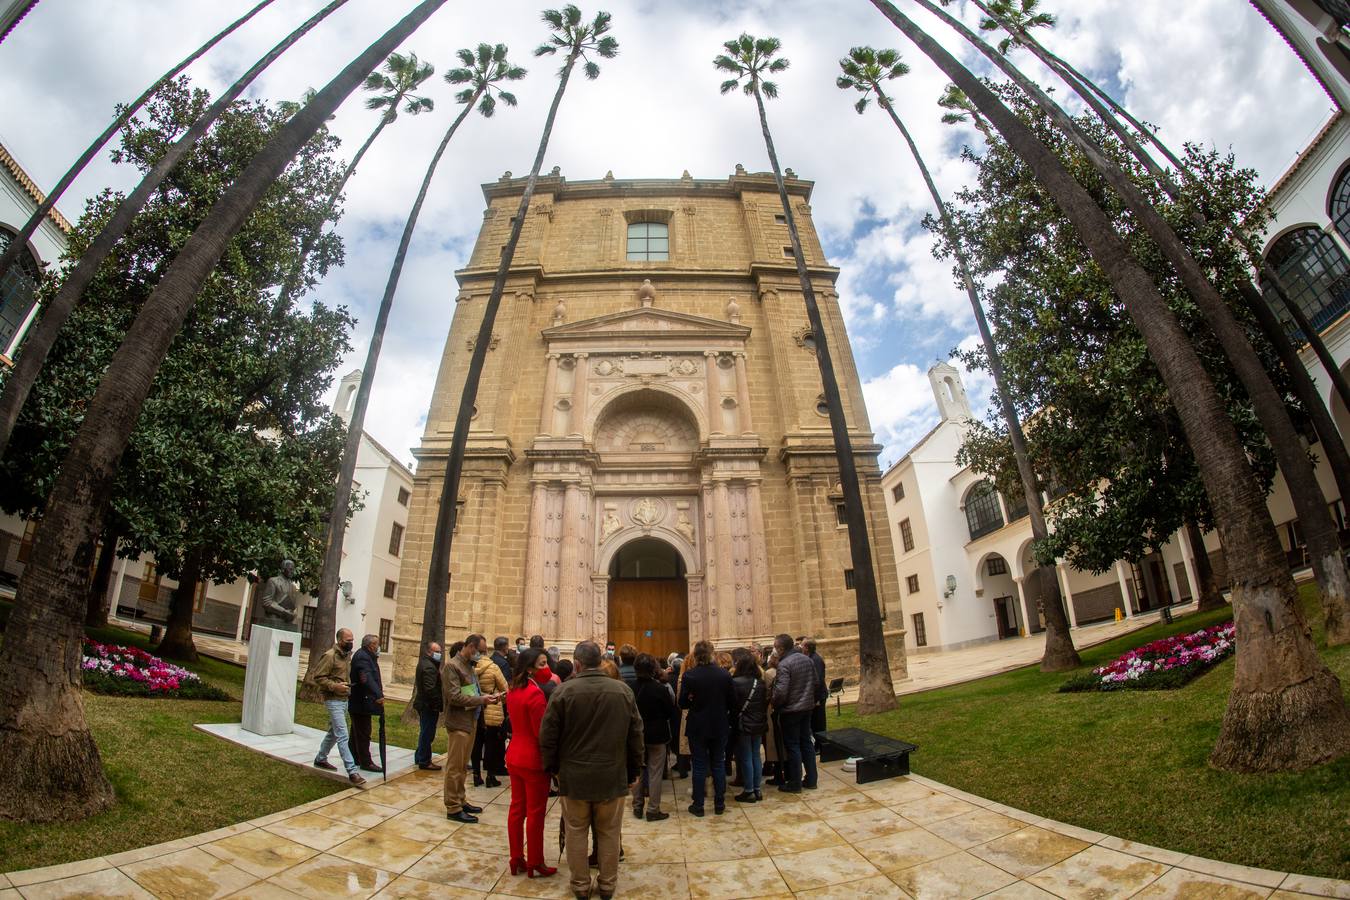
{"x": 1204, "y": 70}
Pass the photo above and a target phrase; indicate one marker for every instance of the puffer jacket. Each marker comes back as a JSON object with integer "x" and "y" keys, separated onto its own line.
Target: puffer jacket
{"x": 794, "y": 690}
{"x": 490, "y": 681}
{"x": 752, "y": 709}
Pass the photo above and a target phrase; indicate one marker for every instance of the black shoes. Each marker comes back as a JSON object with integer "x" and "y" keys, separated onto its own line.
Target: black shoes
{"x": 637, "y": 810}
{"x": 372, "y": 768}
{"x": 463, "y": 817}
{"x": 478, "y": 781}
{"x": 470, "y": 808}
{"x": 809, "y": 787}
{"x": 657, "y": 816}
{"x": 430, "y": 767}
{"x": 696, "y": 810}
{"x": 719, "y": 808}
{"x": 493, "y": 782}
{"x": 790, "y": 789}
{"x": 746, "y": 797}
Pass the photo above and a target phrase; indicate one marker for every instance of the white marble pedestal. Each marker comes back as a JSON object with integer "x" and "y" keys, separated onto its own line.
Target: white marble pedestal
{"x": 269, "y": 680}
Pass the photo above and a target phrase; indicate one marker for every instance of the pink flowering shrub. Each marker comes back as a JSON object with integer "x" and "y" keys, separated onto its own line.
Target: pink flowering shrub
{"x": 114, "y": 669}
{"x": 1165, "y": 663}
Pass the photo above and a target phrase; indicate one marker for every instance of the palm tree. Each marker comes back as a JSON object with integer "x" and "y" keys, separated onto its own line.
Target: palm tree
{"x": 960, "y": 109}
{"x": 863, "y": 70}
{"x": 748, "y": 61}
{"x": 576, "y": 39}
{"x": 54, "y": 769}
{"x": 393, "y": 88}
{"x": 37, "y": 345}
{"x": 1286, "y": 710}
{"x": 46, "y": 206}
{"x": 1319, "y": 529}
{"x": 483, "y": 73}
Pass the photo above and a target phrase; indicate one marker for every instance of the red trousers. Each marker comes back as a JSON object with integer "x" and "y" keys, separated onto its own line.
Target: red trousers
{"x": 529, "y": 800}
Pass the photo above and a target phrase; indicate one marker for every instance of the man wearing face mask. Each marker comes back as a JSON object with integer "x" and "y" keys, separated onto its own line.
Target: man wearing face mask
{"x": 332, "y": 674}
{"x": 367, "y": 699}
{"x": 462, "y": 699}
{"x": 428, "y": 701}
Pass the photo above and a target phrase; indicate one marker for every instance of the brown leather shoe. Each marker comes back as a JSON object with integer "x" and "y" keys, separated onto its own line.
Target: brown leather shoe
{"x": 356, "y": 779}
{"x": 430, "y": 767}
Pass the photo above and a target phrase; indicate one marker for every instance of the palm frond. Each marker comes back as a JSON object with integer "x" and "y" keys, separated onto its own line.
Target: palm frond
{"x": 729, "y": 86}
{"x": 465, "y": 55}
{"x": 608, "y": 47}
{"x": 465, "y": 96}
{"x": 770, "y": 89}
{"x": 487, "y": 106}
{"x": 553, "y": 18}
{"x": 459, "y": 76}
{"x": 601, "y": 23}
{"x": 861, "y": 105}
{"x": 591, "y": 69}
{"x": 514, "y": 73}
{"x": 545, "y": 50}
{"x": 778, "y": 65}
{"x": 953, "y": 118}
{"x": 417, "y": 105}
{"x": 507, "y": 97}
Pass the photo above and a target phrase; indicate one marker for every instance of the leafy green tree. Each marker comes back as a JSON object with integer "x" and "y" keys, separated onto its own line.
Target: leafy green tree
{"x": 863, "y": 70}
{"x": 749, "y": 60}
{"x": 231, "y": 465}
{"x": 577, "y": 39}
{"x": 1286, "y": 710}
{"x": 483, "y": 72}
{"x": 54, "y": 769}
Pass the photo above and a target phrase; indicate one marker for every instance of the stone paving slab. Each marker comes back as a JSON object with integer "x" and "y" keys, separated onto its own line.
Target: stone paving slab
{"x": 300, "y": 746}
{"x": 904, "y": 838}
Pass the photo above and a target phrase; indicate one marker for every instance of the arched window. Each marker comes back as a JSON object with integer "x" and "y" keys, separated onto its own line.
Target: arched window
{"x": 648, "y": 241}
{"x": 982, "y": 512}
{"x": 16, "y": 290}
{"x": 1339, "y": 207}
{"x": 1316, "y": 274}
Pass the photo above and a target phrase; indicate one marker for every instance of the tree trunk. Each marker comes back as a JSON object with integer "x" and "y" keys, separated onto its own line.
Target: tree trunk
{"x": 876, "y": 692}
{"x": 53, "y": 770}
{"x": 1318, "y": 527}
{"x": 1286, "y": 710}
{"x": 96, "y": 604}
{"x": 1060, "y": 654}
{"x": 37, "y": 344}
{"x": 438, "y": 579}
{"x": 46, "y": 206}
{"x": 1209, "y": 593}
{"x": 177, "y": 641}
{"x": 325, "y": 612}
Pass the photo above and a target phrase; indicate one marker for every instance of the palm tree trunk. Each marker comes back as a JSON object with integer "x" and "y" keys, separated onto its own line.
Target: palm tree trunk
{"x": 53, "y": 770}
{"x": 1060, "y": 654}
{"x": 49, "y": 203}
{"x": 177, "y": 640}
{"x": 876, "y": 692}
{"x": 325, "y": 612}
{"x": 1318, "y": 527}
{"x": 96, "y": 605}
{"x": 38, "y": 343}
{"x": 1337, "y": 457}
{"x": 438, "y": 579}
{"x": 1208, "y": 593}
{"x": 1286, "y": 710}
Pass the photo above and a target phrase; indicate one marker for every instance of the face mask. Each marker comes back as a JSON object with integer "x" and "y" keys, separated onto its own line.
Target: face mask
{"x": 476, "y": 656}
{"x": 374, "y": 651}
{"x": 436, "y": 656}
{"x": 346, "y": 646}
{"x": 543, "y": 675}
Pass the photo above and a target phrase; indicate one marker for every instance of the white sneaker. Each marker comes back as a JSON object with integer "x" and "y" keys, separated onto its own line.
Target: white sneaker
{"x": 851, "y": 764}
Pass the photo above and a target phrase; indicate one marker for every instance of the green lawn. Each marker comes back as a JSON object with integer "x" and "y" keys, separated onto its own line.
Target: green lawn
{"x": 1132, "y": 764}
{"x": 172, "y": 780}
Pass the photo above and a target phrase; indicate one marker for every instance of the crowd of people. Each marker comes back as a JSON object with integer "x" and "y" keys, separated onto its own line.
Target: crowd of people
{"x": 606, "y": 727}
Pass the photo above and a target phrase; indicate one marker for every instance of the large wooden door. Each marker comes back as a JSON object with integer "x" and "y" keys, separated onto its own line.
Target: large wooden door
{"x": 652, "y": 615}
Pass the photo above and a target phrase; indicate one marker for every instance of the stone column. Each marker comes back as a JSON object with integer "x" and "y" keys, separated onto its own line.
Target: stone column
{"x": 568, "y": 564}
{"x": 714, "y": 393}
{"x": 743, "y": 393}
{"x": 698, "y": 613}
{"x": 550, "y": 391}
{"x": 1188, "y": 562}
{"x": 761, "y": 615}
{"x": 599, "y": 618}
{"x": 243, "y": 610}
{"x": 1028, "y": 613}
{"x": 579, "y": 395}
{"x": 1068, "y": 595}
{"x": 533, "y": 616}
{"x": 1124, "y": 588}
{"x": 725, "y": 560}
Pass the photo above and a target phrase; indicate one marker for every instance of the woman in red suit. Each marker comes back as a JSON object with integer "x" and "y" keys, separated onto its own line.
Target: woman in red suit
{"x": 525, "y": 703}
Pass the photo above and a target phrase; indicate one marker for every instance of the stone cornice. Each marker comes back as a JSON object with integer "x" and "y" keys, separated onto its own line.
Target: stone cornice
{"x": 734, "y": 186}
{"x": 782, "y": 274}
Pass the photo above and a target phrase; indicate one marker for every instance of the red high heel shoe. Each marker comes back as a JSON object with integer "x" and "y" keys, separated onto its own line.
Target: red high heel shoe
{"x": 541, "y": 871}
{"x": 518, "y": 867}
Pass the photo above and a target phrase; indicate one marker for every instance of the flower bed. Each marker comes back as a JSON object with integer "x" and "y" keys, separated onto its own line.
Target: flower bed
{"x": 130, "y": 671}
{"x": 1163, "y": 664}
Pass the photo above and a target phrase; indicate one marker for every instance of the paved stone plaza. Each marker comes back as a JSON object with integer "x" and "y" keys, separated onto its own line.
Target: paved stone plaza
{"x": 891, "y": 839}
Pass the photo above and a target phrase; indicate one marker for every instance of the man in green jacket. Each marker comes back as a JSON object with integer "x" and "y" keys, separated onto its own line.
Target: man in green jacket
{"x": 591, "y": 736}
{"x": 332, "y": 673}
{"x": 463, "y": 700}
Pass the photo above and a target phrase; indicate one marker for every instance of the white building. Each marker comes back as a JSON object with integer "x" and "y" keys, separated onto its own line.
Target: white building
{"x": 19, "y": 199}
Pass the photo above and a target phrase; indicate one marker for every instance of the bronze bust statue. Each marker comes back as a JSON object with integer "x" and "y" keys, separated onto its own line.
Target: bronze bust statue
{"x": 279, "y": 605}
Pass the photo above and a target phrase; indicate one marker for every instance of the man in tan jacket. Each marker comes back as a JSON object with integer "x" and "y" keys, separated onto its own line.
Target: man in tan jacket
{"x": 463, "y": 699}
{"x": 591, "y": 736}
{"x": 332, "y": 673}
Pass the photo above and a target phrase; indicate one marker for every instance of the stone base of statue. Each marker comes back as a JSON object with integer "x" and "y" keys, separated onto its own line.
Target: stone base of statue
{"x": 269, "y": 680}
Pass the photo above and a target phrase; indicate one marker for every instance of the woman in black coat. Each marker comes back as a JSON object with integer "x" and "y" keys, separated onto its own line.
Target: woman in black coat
{"x": 656, "y": 705}
{"x": 751, "y": 712}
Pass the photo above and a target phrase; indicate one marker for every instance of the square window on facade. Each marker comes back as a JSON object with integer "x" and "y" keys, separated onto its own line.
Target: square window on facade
{"x": 996, "y": 565}
{"x": 898, "y": 493}
{"x": 649, "y": 241}
{"x": 906, "y": 535}
{"x": 390, "y": 588}
{"x": 920, "y": 635}
{"x": 787, "y": 253}
{"x": 912, "y": 584}
{"x": 779, "y": 219}
{"x": 395, "y": 539}
{"x": 848, "y": 579}
{"x": 403, "y": 496}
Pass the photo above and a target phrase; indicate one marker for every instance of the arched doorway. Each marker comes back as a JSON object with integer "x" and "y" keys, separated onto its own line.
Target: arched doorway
{"x": 649, "y": 597}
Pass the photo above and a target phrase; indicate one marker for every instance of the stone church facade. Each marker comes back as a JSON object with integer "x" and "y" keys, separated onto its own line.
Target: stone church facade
{"x": 649, "y": 459}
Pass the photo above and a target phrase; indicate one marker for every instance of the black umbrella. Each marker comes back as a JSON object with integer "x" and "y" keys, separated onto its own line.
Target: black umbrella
{"x": 384, "y": 763}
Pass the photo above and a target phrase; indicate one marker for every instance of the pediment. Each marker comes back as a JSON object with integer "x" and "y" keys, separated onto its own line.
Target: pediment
{"x": 647, "y": 322}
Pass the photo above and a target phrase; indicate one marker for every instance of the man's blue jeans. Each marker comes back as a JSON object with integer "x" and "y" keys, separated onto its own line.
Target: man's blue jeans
{"x": 337, "y": 734}
{"x": 801, "y": 751}
{"x": 702, "y": 749}
{"x": 750, "y": 761}
{"x": 426, "y": 721}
